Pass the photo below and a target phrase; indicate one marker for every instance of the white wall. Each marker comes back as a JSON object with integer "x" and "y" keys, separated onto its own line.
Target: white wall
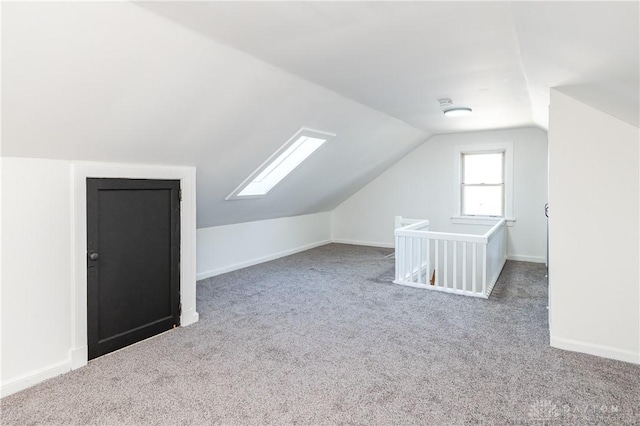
{"x": 594, "y": 252}
{"x": 226, "y": 248}
{"x": 39, "y": 292}
{"x": 421, "y": 185}
{"x": 115, "y": 82}
{"x": 36, "y": 271}
{"x": 44, "y": 262}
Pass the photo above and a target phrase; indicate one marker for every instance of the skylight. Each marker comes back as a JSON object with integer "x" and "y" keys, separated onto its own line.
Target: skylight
{"x": 297, "y": 149}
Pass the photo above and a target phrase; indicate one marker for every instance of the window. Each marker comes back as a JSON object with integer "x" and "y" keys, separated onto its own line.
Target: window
{"x": 297, "y": 149}
{"x": 482, "y": 187}
{"x": 484, "y": 182}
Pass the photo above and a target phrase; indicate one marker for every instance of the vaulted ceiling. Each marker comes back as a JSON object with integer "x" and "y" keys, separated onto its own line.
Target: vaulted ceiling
{"x": 499, "y": 58}
{"x": 222, "y": 85}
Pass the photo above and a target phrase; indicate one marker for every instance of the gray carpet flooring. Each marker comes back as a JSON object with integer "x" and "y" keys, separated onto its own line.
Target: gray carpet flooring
{"x": 323, "y": 337}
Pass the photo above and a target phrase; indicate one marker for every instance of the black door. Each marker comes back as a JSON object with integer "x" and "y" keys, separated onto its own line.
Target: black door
{"x": 133, "y": 255}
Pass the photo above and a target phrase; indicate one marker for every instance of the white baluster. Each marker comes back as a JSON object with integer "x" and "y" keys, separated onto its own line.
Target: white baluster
{"x": 428, "y": 272}
{"x": 464, "y": 266}
{"x": 484, "y": 269}
{"x": 419, "y": 258}
{"x": 409, "y": 258}
{"x": 446, "y": 264}
{"x": 436, "y": 249}
{"x": 400, "y": 258}
{"x": 455, "y": 264}
{"x": 474, "y": 270}
{"x": 397, "y": 257}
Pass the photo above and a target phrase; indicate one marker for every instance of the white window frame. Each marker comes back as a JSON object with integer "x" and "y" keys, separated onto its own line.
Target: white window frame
{"x": 304, "y": 131}
{"x": 483, "y": 148}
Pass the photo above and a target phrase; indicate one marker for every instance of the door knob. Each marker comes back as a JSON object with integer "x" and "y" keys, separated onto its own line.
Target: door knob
{"x": 93, "y": 256}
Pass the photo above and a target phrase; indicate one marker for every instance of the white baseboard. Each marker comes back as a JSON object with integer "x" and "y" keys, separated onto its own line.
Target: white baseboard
{"x": 20, "y": 383}
{"x": 363, "y": 243}
{"x": 79, "y": 357}
{"x": 523, "y": 258}
{"x": 597, "y": 350}
{"x": 251, "y": 262}
{"x": 188, "y": 317}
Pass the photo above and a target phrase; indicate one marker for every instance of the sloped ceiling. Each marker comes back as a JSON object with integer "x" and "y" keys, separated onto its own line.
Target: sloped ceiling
{"x": 221, "y": 85}
{"x": 114, "y": 82}
{"x": 499, "y": 58}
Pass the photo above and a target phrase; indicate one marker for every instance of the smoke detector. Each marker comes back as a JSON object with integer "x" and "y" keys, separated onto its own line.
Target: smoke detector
{"x": 445, "y": 103}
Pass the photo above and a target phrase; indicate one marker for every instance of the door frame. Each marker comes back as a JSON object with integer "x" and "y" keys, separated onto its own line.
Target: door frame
{"x": 79, "y": 174}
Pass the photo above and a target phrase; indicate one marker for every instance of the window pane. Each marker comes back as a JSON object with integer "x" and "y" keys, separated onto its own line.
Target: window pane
{"x": 482, "y": 200}
{"x": 282, "y": 166}
{"x": 483, "y": 168}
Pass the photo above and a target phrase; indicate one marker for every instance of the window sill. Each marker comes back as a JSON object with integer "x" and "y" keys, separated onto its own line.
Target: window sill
{"x": 480, "y": 220}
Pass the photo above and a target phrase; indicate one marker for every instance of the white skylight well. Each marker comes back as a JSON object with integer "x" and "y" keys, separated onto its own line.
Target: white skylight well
{"x": 297, "y": 149}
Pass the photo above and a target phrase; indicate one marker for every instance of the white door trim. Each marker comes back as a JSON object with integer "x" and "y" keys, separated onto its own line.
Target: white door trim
{"x": 79, "y": 174}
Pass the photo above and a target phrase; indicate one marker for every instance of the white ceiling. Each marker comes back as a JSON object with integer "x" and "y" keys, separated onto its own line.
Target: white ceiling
{"x": 499, "y": 58}
{"x": 222, "y": 85}
{"x": 112, "y": 82}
